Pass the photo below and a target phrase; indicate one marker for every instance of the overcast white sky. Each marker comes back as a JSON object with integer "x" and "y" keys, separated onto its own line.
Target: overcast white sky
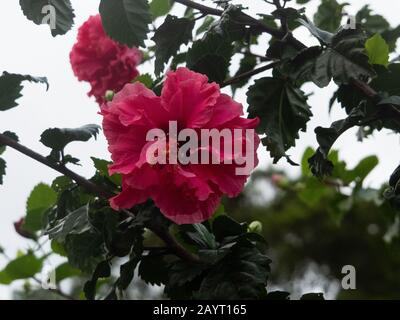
{"x": 30, "y": 49}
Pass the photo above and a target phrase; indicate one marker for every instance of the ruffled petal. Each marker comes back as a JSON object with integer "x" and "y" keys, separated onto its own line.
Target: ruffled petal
{"x": 189, "y": 97}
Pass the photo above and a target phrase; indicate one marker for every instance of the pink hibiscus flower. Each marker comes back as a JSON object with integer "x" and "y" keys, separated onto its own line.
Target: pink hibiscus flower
{"x": 99, "y": 60}
{"x": 185, "y": 193}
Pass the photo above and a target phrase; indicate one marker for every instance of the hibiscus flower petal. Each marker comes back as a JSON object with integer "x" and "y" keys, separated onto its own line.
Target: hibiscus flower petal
{"x": 189, "y": 97}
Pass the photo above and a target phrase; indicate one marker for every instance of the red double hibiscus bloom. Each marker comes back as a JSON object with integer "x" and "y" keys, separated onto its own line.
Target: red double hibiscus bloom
{"x": 99, "y": 60}
{"x": 184, "y": 193}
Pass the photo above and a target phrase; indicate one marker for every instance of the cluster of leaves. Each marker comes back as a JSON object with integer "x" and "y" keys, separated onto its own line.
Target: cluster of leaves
{"x": 10, "y": 91}
{"x": 93, "y": 237}
{"x": 315, "y": 227}
{"x": 345, "y": 54}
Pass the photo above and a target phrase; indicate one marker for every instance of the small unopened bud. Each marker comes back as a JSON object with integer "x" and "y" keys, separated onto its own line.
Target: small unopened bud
{"x": 109, "y": 95}
{"x": 255, "y": 226}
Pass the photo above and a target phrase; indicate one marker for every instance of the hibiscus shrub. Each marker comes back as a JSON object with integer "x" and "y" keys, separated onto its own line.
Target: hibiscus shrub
{"x": 166, "y": 220}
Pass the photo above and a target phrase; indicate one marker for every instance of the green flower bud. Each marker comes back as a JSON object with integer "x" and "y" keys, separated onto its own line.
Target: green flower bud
{"x": 109, "y": 95}
{"x": 255, "y": 226}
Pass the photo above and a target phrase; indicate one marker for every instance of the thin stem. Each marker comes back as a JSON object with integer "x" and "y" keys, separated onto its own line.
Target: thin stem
{"x": 259, "y": 56}
{"x": 249, "y": 74}
{"x": 364, "y": 88}
{"x": 371, "y": 94}
{"x": 83, "y": 182}
{"x": 201, "y": 7}
{"x": 283, "y": 19}
{"x": 277, "y": 4}
{"x": 171, "y": 243}
{"x": 245, "y": 18}
{"x": 95, "y": 189}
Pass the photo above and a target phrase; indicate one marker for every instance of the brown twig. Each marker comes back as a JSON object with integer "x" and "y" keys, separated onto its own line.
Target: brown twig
{"x": 364, "y": 88}
{"x": 249, "y": 74}
{"x": 245, "y": 18}
{"x": 279, "y": 34}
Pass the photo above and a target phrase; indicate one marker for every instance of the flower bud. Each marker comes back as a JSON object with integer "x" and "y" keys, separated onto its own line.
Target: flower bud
{"x": 109, "y": 95}
{"x": 255, "y": 226}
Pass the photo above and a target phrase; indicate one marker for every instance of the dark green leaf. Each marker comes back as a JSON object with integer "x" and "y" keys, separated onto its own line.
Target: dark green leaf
{"x": 160, "y": 8}
{"x": 103, "y": 270}
{"x": 23, "y": 267}
{"x": 224, "y": 226}
{"x": 229, "y": 26}
{"x": 349, "y": 98}
{"x": 211, "y": 56}
{"x": 387, "y": 79}
{"x": 248, "y": 63}
{"x": 291, "y": 16}
{"x": 391, "y": 36}
{"x": 102, "y": 168}
{"x": 182, "y": 272}
{"x": 319, "y": 163}
{"x": 240, "y": 275}
{"x": 281, "y": 50}
{"x": 312, "y": 296}
{"x": 364, "y": 168}
{"x": 57, "y": 138}
{"x": 153, "y": 269}
{"x": 11, "y": 87}
{"x": 65, "y": 271}
{"x": 169, "y": 37}
{"x": 394, "y": 100}
{"x": 329, "y": 15}
{"x": 375, "y": 23}
{"x": 343, "y": 60}
{"x": 126, "y": 20}
{"x": 145, "y": 79}
{"x": 41, "y": 199}
{"x": 371, "y": 22}
{"x": 200, "y": 235}
{"x": 208, "y": 21}
{"x": 127, "y": 271}
{"x": 305, "y": 169}
{"x": 35, "y": 10}
{"x": 58, "y": 248}
{"x": 283, "y": 111}
{"x": 85, "y": 250}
